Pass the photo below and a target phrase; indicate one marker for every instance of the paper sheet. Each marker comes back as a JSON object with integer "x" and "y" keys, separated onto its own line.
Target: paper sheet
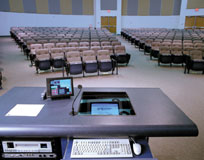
{"x": 30, "y": 110}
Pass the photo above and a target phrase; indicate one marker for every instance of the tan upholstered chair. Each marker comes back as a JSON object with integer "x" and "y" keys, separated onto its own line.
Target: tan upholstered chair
{"x": 89, "y": 61}
{"x": 42, "y": 60}
{"x": 195, "y": 61}
{"x": 120, "y": 55}
{"x": 165, "y": 54}
{"x": 74, "y": 63}
{"x": 57, "y": 57}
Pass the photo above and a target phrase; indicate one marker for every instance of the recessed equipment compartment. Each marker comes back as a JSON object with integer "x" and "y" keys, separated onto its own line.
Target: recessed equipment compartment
{"x": 105, "y": 103}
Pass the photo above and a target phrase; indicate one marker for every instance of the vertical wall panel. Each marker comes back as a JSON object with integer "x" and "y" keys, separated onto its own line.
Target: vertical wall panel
{"x": 155, "y": 7}
{"x": 132, "y": 7}
{"x": 143, "y": 7}
{"x": 77, "y": 8}
{"x": 192, "y": 4}
{"x": 167, "y": 7}
{"x": 5, "y": 7}
{"x": 88, "y": 7}
{"x": 108, "y": 4}
{"x": 42, "y": 6}
{"x": 16, "y": 6}
{"x": 124, "y": 7}
{"x": 66, "y": 6}
{"x": 177, "y": 7}
{"x": 29, "y": 6}
{"x": 54, "y": 6}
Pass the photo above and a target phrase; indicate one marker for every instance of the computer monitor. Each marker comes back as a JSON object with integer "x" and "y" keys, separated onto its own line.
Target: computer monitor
{"x": 104, "y": 108}
{"x": 60, "y": 87}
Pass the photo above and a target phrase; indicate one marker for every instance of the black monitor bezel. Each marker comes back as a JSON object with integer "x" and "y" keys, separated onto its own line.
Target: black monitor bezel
{"x": 48, "y": 80}
{"x": 104, "y": 103}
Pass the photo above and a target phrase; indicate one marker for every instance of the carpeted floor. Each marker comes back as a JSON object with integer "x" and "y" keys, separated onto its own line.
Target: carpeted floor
{"x": 186, "y": 90}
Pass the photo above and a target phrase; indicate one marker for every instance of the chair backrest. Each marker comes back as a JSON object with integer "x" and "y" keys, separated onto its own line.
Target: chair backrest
{"x": 56, "y": 50}
{"x": 72, "y": 54}
{"x": 196, "y": 54}
{"x": 49, "y": 45}
{"x": 61, "y": 45}
{"x": 95, "y": 44}
{"x": 88, "y": 53}
{"x": 119, "y": 49}
{"x": 36, "y": 46}
{"x": 84, "y": 44}
{"x": 54, "y": 40}
{"x": 109, "y": 48}
{"x": 68, "y": 49}
{"x": 115, "y": 43}
{"x": 199, "y": 46}
{"x": 63, "y": 40}
{"x": 176, "y": 50}
{"x": 42, "y": 41}
{"x": 105, "y": 43}
{"x": 41, "y": 51}
{"x": 95, "y": 48}
{"x": 84, "y": 48}
{"x": 103, "y": 52}
{"x": 155, "y": 44}
{"x": 73, "y": 44}
{"x": 164, "y": 49}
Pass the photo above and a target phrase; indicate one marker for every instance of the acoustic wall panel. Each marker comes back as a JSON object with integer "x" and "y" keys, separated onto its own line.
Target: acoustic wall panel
{"x": 88, "y": 7}
{"x": 167, "y": 7}
{"x": 143, "y": 7}
{"x": 29, "y": 6}
{"x": 108, "y": 4}
{"x": 66, "y": 6}
{"x": 155, "y": 7}
{"x": 132, "y": 7}
{"x": 54, "y": 6}
{"x": 177, "y": 7}
{"x": 77, "y": 8}
{"x": 5, "y": 7}
{"x": 16, "y": 6}
{"x": 124, "y": 7}
{"x": 192, "y": 4}
{"x": 42, "y": 6}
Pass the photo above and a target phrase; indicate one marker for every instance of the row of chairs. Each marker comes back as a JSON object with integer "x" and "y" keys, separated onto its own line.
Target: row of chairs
{"x": 162, "y": 33}
{"x": 114, "y": 48}
{"x": 54, "y": 40}
{"x": 168, "y": 51}
{"x": 75, "y": 62}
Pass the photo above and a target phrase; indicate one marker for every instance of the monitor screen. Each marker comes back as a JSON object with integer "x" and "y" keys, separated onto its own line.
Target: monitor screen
{"x": 104, "y": 109}
{"x": 60, "y": 87}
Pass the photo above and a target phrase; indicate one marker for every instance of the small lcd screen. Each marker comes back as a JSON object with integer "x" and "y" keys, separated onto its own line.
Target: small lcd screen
{"x": 104, "y": 109}
{"x": 60, "y": 87}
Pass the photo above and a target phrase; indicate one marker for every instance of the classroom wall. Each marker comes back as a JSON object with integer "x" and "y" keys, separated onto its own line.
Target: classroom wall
{"x": 150, "y": 21}
{"x": 68, "y": 7}
{"x": 10, "y": 19}
{"x": 86, "y": 13}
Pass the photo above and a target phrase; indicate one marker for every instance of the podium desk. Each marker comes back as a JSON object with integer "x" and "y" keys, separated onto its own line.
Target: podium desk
{"x": 156, "y": 116}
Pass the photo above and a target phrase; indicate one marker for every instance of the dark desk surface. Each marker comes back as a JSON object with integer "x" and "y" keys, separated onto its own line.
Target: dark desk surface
{"x": 156, "y": 116}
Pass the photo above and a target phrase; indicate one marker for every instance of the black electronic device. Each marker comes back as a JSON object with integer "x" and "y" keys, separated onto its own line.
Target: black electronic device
{"x": 31, "y": 148}
{"x": 60, "y": 87}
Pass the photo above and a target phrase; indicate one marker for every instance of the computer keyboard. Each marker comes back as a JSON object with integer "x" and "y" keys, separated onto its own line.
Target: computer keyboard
{"x": 101, "y": 148}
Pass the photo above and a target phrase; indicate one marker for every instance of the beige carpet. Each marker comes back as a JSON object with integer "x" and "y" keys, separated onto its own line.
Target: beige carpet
{"x": 186, "y": 90}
